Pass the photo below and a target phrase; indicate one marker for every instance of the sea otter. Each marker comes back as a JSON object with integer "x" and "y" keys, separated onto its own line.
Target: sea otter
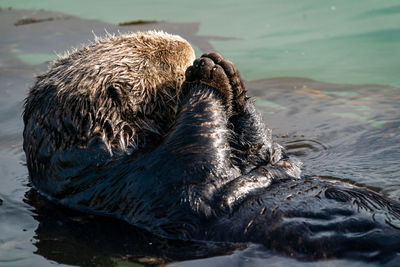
{"x": 135, "y": 127}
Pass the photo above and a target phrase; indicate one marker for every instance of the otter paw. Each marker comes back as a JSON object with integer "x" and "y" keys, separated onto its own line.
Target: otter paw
{"x": 205, "y": 71}
{"x": 221, "y": 74}
{"x": 237, "y": 86}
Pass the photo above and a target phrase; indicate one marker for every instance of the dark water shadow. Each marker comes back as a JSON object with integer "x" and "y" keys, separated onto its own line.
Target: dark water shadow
{"x": 70, "y": 237}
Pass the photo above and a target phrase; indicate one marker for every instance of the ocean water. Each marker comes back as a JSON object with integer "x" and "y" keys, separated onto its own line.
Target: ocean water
{"x": 324, "y": 74}
{"x": 334, "y": 41}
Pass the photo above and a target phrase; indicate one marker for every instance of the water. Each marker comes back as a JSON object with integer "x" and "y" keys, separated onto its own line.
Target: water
{"x": 334, "y": 41}
{"x": 345, "y": 127}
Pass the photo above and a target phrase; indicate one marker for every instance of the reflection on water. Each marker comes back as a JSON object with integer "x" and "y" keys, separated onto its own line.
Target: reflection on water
{"x": 339, "y": 131}
{"x": 70, "y": 237}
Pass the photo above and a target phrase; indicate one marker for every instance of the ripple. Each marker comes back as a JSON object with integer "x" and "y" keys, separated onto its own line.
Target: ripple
{"x": 305, "y": 148}
{"x": 348, "y": 181}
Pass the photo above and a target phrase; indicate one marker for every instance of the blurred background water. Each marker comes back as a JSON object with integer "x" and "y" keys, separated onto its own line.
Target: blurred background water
{"x": 334, "y": 41}
{"x": 343, "y": 127}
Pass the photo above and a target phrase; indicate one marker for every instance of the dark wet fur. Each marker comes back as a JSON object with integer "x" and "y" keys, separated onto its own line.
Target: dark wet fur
{"x": 216, "y": 175}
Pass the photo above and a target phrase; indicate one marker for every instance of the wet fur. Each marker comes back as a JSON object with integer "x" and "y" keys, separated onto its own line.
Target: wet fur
{"x": 113, "y": 129}
{"x": 117, "y": 88}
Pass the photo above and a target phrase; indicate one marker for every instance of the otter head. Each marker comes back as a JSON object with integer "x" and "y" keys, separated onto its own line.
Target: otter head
{"x": 147, "y": 69}
{"x": 115, "y": 89}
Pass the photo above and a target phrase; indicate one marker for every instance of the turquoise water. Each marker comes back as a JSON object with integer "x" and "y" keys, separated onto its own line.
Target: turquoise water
{"x": 334, "y": 41}
{"x": 345, "y": 127}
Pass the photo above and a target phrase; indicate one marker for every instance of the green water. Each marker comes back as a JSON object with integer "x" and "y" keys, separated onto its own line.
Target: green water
{"x": 333, "y": 41}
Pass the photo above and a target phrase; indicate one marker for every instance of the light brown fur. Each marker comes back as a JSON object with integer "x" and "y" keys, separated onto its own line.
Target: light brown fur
{"x": 114, "y": 88}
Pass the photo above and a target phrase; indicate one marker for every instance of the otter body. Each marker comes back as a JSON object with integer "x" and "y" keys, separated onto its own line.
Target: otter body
{"x": 127, "y": 127}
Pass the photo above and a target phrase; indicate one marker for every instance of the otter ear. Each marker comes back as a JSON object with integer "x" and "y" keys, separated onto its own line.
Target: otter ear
{"x": 115, "y": 93}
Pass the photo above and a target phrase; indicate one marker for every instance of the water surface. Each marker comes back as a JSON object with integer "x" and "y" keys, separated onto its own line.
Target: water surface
{"x": 336, "y": 41}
